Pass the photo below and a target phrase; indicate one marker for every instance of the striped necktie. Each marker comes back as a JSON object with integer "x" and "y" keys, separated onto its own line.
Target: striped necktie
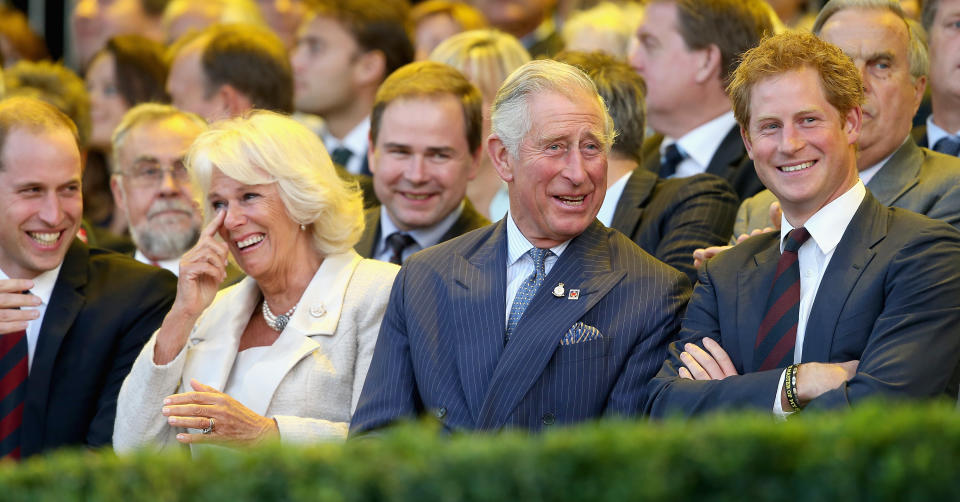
{"x": 13, "y": 391}
{"x": 778, "y": 330}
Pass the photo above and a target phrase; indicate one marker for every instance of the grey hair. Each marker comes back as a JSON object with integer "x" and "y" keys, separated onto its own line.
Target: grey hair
{"x": 147, "y": 113}
{"x": 265, "y": 147}
{"x": 510, "y": 118}
{"x": 918, "y": 55}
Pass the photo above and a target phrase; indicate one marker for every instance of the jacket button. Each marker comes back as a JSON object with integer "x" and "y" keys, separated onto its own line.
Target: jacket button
{"x": 440, "y": 412}
{"x": 548, "y": 418}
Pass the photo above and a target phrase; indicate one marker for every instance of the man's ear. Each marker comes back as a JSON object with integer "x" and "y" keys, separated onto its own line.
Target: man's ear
{"x": 372, "y": 157}
{"x": 119, "y": 198}
{"x": 852, "y": 124}
{"x": 235, "y": 103}
{"x": 710, "y": 64}
{"x": 746, "y": 142}
{"x": 502, "y": 161}
{"x": 370, "y": 68}
{"x": 475, "y": 158}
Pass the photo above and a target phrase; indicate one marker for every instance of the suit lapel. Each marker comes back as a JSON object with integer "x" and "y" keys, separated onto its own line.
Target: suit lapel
{"x": 726, "y": 159}
{"x": 850, "y": 258}
{"x": 898, "y": 175}
{"x": 469, "y": 220}
{"x": 584, "y": 265}
{"x": 66, "y": 301}
{"x": 371, "y": 232}
{"x": 480, "y": 279}
{"x": 629, "y": 210}
{"x": 753, "y": 288}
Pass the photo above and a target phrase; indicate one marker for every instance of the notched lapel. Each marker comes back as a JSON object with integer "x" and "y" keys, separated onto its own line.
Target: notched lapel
{"x": 585, "y": 264}
{"x": 753, "y": 288}
{"x": 898, "y": 175}
{"x": 630, "y": 207}
{"x": 66, "y": 301}
{"x": 850, "y": 259}
{"x": 479, "y": 279}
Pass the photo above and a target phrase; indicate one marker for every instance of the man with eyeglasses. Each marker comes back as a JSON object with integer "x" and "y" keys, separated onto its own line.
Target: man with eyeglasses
{"x": 151, "y": 184}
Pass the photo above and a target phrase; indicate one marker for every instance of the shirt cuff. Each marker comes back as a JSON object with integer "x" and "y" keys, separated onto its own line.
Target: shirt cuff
{"x": 777, "y": 406}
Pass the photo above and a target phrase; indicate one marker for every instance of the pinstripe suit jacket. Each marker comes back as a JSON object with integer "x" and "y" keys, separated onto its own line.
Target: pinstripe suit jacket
{"x": 441, "y": 346}
{"x": 670, "y": 218}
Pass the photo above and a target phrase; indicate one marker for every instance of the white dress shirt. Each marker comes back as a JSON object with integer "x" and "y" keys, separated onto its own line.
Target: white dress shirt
{"x": 826, "y": 228}
{"x": 356, "y": 141}
{"x": 171, "y": 265}
{"x": 611, "y": 199}
{"x": 42, "y": 287}
{"x": 700, "y": 144}
{"x": 422, "y": 237}
{"x": 520, "y": 264}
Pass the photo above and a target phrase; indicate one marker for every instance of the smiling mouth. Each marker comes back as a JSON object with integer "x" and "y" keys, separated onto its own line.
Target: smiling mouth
{"x": 797, "y": 167}
{"x": 571, "y": 201}
{"x": 416, "y": 196}
{"x": 249, "y": 241}
{"x": 45, "y": 238}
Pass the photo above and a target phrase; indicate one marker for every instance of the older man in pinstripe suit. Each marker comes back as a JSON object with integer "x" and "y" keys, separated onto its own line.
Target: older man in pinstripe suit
{"x": 544, "y": 318}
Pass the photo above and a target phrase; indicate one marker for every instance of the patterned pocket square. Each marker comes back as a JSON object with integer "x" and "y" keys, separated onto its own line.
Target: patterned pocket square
{"x": 579, "y": 333}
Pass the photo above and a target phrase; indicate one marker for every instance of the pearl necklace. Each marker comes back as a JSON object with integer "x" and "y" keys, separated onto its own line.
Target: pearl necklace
{"x": 276, "y": 322}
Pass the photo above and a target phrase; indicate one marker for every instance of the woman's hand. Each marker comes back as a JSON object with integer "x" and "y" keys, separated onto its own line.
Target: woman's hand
{"x": 233, "y": 424}
{"x": 202, "y": 269}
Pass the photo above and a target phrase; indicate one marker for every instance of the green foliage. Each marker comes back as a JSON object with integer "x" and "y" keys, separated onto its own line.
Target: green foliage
{"x": 874, "y": 453}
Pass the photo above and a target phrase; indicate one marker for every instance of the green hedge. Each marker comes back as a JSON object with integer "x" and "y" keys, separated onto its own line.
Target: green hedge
{"x": 872, "y": 454}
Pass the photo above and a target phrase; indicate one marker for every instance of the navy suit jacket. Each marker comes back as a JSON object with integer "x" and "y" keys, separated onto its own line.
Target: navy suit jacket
{"x": 441, "y": 346}
{"x": 104, "y": 307}
{"x": 890, "y": 298}
{"x": 469, "y": 220}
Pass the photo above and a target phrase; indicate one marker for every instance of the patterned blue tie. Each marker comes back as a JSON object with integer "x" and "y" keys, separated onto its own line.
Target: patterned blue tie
{"x": 527, "y": 290}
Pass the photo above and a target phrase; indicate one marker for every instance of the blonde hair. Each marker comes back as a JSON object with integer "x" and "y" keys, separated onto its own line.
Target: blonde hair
{"x": 264, "y": 147}
{"x": 485, "y": 57}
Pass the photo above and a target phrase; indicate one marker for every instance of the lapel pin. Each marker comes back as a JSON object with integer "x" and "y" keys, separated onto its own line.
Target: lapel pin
{"x": 574, "y": 294}
{"x": 318, "y": 310}
{"x": 558, "y": 291}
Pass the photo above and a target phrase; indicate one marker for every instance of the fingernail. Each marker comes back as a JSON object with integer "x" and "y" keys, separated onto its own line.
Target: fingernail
{"x": 166, "y": 400}
{"x": 171, "y": 420}
{"x": 165, "y": 410}
{"x": 181, "y": 437}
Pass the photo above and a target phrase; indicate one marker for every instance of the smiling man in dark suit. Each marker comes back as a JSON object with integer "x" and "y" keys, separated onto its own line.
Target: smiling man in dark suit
{"x": 851, "y": 299}
{"x": 424, "y": 148}
{"x": 545, "y": 318}
{"x": 72, "y": 319}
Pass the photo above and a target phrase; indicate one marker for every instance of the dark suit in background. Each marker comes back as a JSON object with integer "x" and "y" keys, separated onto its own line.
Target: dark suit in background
{"x": 469, "y": 220}
{"x": 670, "y": 218}
{"x": 729, "y": 162}
{"x": 914, "y": 178}
{"x": 890, "y": 298}
{"x": 441, "y": 346}
{"x": 104, "y": 307}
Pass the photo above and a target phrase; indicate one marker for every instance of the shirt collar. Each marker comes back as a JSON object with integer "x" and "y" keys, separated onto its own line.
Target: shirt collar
{"x": 936, "y": 133}
{"x": 702, "y": 142}
{"x": 827, "y": 225}
{"x": 172, "y": 265}
{"x": 42, "y": 284}
{"x": 867, "y": 174}
{"x": 355, "y": 140}
{"x": 424, "y": 237}
{"x": 611, "y": 199}
{"x": 518, "y": 245}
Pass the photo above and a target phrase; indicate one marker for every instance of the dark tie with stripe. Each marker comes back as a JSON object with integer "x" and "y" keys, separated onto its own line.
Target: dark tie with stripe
{"x": 778, "y": 330}
{"x": 398, "y": 242}
{"x": 672, "y": 157}
{"x": 13, "y": 391}
{"x": 341, "y": 156}
{"x": 949, "y": 145}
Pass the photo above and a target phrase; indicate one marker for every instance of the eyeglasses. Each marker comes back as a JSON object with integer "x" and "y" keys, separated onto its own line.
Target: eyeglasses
{"x": 151, "y": 174}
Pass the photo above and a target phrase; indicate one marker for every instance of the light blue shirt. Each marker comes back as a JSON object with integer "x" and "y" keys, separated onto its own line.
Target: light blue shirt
{"x": 520, "y": 264}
